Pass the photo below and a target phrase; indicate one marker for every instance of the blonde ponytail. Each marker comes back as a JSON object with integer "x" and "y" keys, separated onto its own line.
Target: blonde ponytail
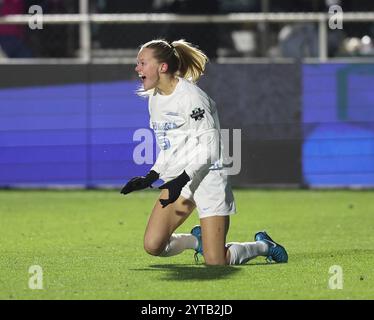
{"x": 183, "y": 59}
{"x": 192, "y": 60}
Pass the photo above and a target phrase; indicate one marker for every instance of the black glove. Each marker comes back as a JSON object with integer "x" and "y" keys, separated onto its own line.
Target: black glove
{"x": 139, "y": 183}
{"x": 175, "y": 187}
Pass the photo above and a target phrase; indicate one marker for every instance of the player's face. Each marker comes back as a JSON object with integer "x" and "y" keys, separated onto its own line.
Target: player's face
{"x": 147, "y": 68}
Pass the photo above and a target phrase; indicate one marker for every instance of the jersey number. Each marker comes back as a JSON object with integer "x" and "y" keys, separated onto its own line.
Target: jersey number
{"x": 163, "y": 142}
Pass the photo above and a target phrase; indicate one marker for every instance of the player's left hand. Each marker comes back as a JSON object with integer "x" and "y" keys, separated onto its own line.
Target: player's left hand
{"x": 175, "y": 187}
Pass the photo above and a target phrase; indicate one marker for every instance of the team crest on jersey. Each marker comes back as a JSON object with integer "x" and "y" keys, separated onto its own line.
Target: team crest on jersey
{"x": 197, "y": 114}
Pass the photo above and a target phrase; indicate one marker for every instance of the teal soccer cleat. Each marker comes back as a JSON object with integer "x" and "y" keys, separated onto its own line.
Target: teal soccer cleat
{"x": 276, "y": 252}
{"x": 196, "y": 231}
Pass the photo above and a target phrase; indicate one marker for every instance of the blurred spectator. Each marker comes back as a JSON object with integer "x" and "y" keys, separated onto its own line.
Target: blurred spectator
{"x": 299, "y": 40}
{"x": 238, "y": 39}
{"x": 12, "y": 37}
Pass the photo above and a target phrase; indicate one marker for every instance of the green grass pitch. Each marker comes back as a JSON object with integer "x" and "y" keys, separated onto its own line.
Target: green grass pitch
{"x": 89, "y": 246}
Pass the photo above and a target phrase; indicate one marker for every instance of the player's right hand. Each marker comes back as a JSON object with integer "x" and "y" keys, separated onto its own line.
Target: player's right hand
{"x": 175, "y": 188}
{"x": 139, "y": 183}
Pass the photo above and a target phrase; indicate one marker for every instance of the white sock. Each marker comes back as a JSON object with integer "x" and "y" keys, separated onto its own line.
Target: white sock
{"x": 178, "y": 243}
{"x": 241, "y": 253}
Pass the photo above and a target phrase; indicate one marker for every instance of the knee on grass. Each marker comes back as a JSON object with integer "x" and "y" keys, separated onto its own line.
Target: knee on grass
{"x": 153, "y": 248}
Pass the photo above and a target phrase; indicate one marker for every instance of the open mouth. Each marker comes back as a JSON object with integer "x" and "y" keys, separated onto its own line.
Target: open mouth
{"x": 142, "y": 77}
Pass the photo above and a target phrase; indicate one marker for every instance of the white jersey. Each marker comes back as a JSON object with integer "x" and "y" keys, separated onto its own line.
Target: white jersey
{"x": 187, "y": 131}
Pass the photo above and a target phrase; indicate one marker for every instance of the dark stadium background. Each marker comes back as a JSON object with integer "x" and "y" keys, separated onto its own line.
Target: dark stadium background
{"x": 303, "y": 123}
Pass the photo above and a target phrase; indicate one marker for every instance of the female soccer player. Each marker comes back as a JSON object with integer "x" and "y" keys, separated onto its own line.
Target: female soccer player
{"x": 185, "y": 121}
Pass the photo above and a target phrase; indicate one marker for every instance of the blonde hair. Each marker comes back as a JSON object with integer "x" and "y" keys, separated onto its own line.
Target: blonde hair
{"x": 183, "y": 59}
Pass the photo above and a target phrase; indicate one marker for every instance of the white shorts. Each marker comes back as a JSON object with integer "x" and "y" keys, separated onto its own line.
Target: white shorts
{"x": 212, "y": 194}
